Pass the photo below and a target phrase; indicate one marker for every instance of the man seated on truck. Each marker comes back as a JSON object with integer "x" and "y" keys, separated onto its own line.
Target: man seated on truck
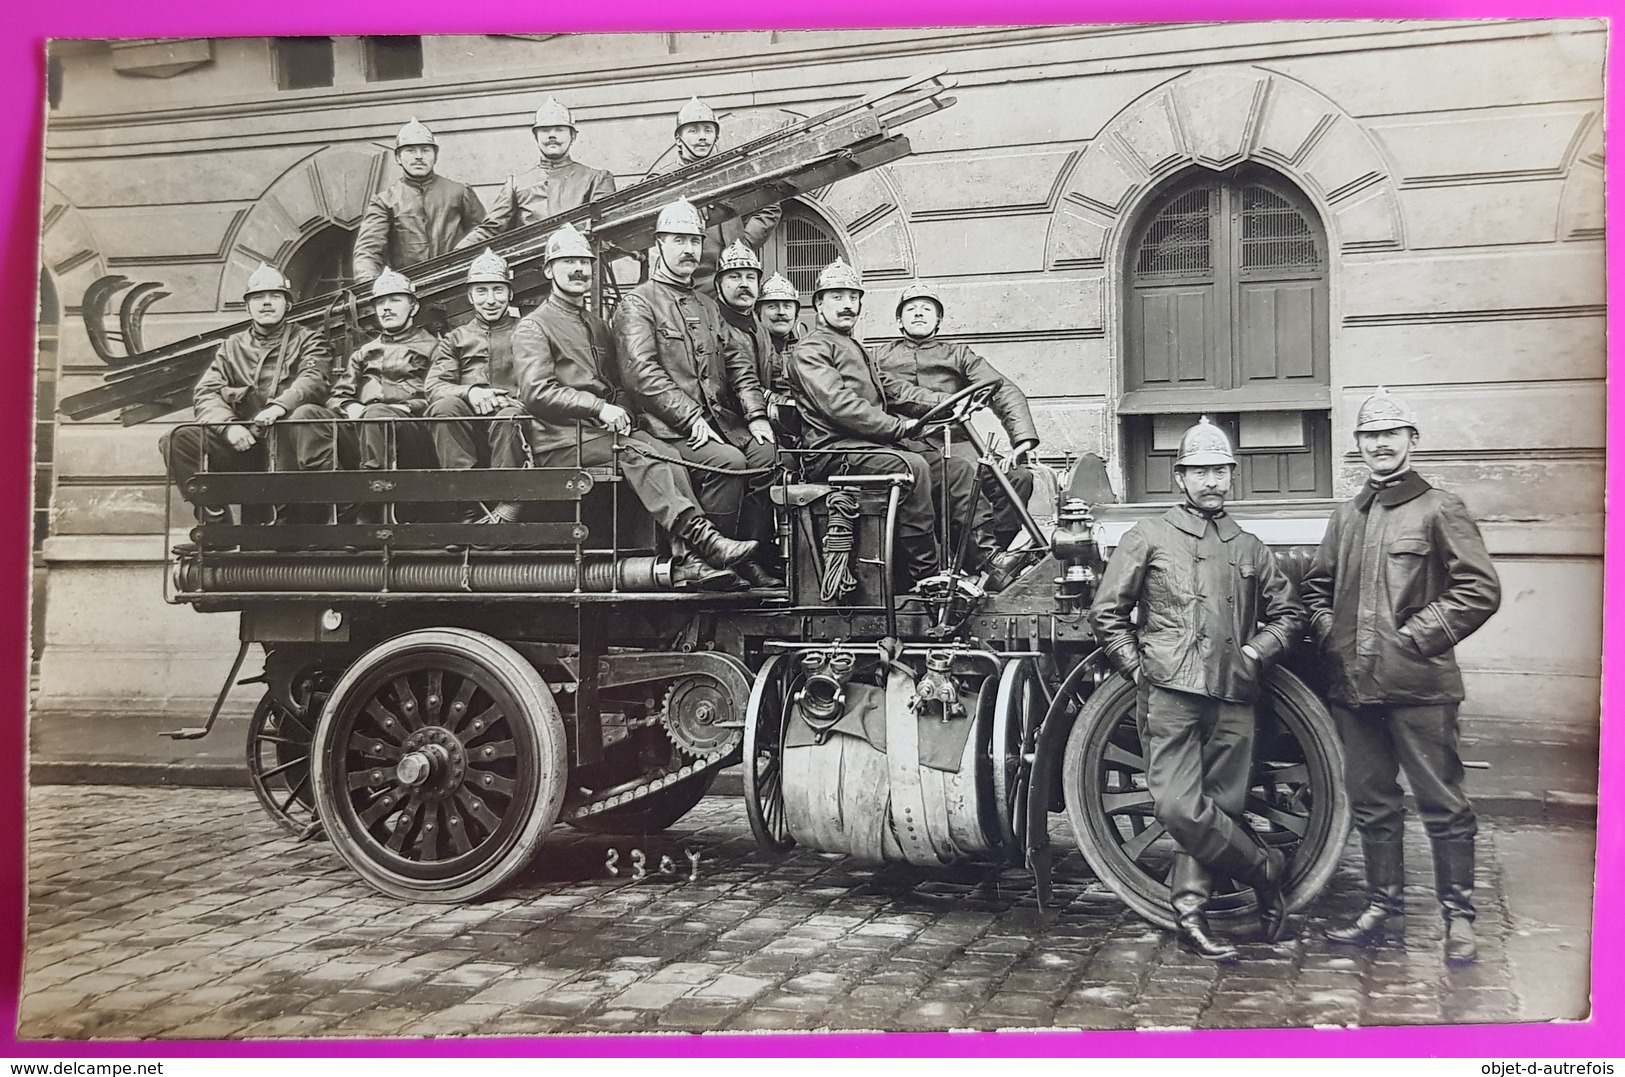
{"x": 850, "y": 404}
{"x": 471, "y": 380}
{"x": 565, "y": 356}
{"x": 271, "y": 371}
{"x": 383, "y": 379}
{"x": 921, "y": 357}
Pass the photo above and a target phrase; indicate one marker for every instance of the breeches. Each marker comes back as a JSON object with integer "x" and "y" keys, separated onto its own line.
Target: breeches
{"x": 663, "y": 488}
{"x": 1423, "y": 741}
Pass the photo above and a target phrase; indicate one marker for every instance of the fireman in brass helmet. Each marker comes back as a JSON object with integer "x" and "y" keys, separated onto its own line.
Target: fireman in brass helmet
{"x": 472, "y": 380}
{"x": 565, "y": 356}
{"x": 271, "y": 371}
{"x": 1214, "y": 612}
{"x": 691, "y": 383}
{"x": 697, "y": 133}
{"x": 420, "y": 216}
{"x": 556, "y": 183}
{"x": 919, "y": 355}
{"x": 1400, "y": 579}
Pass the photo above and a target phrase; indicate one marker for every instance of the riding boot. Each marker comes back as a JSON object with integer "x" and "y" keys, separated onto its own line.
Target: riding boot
{"x": 1191, "y": 884}
{"x": 1453, "y": 877}
{"x": 689, "y": 572}
{"x": 1384, "y": 913}
{"x": 1264, "y": 868}
{"x": 715, "y": 548}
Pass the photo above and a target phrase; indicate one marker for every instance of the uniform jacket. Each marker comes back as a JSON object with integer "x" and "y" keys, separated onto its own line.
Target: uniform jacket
{"x": 1204, "y": 588}
{"x": 538, "y": 194}
{"x": 750, "y": 336}
{"x": 1400, "y": 555}
{"x": 844, "y": 396}
{"x": 753, "y": 228}
{"x": 412, "y": 221}
{"x": 936, "y": 364}
{"x": 774, "y": 368}
{"x": 288, "y": 366}
{"x": 679, "y": 363}
{"x": 566, "y": 357}
{"x": 473, "y": 354}
{"x": 389, "y": 369}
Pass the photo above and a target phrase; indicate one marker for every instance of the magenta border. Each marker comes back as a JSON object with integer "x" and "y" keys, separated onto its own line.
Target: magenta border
{"x": 29, "y": 23}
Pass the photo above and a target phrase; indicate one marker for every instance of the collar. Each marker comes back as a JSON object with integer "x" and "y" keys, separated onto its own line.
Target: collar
{"x": 838, "y": 334}
{"x": 407, "y": 333}
{"x": 737, "y": 319}
{"x": 918, "y": 342}
{"x": 786, "y": 341}
{"x": 665, "y": 276}
{"x": 564, "y": 303}
{"x": 265, "y": 336}
{"x": 548, "y": 166}
{"x": 1392, "y": 491}
{"x": 420, "y": 184}
{"x": 1194, "y": 523}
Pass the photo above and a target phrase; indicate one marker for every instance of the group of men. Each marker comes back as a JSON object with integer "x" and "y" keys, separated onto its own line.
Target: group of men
{"x": 701, "y": 375}
{"x": 1400, "y": 578}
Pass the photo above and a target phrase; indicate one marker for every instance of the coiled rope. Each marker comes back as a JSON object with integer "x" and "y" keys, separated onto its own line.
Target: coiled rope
{"x": 840, "y": 535}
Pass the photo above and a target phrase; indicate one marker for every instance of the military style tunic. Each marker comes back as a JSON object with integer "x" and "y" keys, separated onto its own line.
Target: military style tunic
{"x": 288, "y": 367}
{"x": 476, "y": 354}
{"x": 936, "y": 364}
{"x": 538, "y": 194}
{"x": 389, "y": 369}
{"x": 412, "y": 221}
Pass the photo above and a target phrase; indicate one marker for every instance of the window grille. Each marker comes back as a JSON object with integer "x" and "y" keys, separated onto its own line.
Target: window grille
{"x": 808, "y": 247}
{"x": 1274, "y": 235}
{"x": 1179, "y": 242}
{"x": 322, "y": 263}
{"x": 303, "y": 63}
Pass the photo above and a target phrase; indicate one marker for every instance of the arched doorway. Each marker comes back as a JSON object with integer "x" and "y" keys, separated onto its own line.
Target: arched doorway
{"x": 1226, "y": 315}
{"x": 802, "y": 245}
{"x": 321, "y": 263}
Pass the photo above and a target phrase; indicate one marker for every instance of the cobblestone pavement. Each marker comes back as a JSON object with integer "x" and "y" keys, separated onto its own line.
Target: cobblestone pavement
{"x": 184, "y": 913}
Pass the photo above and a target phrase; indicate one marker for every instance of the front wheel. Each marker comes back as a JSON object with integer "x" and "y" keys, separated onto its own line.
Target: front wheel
{"x": 439, "y": 764}
{"x": 1296, "y": 802}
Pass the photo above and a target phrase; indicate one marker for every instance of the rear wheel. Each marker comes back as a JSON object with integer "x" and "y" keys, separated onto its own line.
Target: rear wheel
{"x": 1297, "y": 801}
{"x": 439, "y": 764}
{"x": 279, "y": 764}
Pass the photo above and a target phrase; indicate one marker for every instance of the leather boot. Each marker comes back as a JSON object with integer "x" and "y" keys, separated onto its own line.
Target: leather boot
{"x": 758, "y": 577}
{"x": 690, "y": 573}
{"x": 1453, "y": 876}
{"x": 1191, "y": 883}
{"x": 1384, "y": 913}
{"x": 711, "y": 545}
{"x": 1270, "y": 886}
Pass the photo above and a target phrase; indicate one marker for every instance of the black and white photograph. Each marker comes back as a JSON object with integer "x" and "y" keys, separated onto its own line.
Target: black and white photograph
{"x": 1069, "y": 527}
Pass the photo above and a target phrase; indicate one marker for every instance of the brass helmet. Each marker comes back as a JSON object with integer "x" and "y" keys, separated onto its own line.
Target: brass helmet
{"x": 552, "y": 114}
{"x": 1382, "y": 411}
{"x": 696, "y": 111}
{"x": 738, "y": 256}
{"x": 680, "y": 218}
{"x": 390, "y": 282}
{"x": 489, "y": 268}
{"x": 838, "y": 275}
{"x": 920, "y": 290}
{"x": 1204, "y": 445}
{"x": 778, "y": 290}
{"x": 268, "y": 278}
{"x": 414, "y": 134}
{"x": 567, "y": 242}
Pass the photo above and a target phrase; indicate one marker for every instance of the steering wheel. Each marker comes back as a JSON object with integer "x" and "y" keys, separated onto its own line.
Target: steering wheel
{"x": 955, "y": 409}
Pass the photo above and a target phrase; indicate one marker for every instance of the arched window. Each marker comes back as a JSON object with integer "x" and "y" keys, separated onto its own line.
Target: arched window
{"x": 1226, "y": 315}
{"x": 802, "y": 245}
{"x": 321, "y": 264}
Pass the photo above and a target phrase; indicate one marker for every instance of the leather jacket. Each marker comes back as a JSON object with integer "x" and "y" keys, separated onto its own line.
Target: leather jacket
{"x": 565, "y": 355}
{"x": 539, "y": 193}
{"x": 1204, "y": 588}
{"x": 678, "y": 362}
{"x": 754, "y": 229}
{"x": 774, "y": 367}
{"x": 1399, "y": 555}
{"x": 934, "y": 363}
{"x": 288, "y": 366}
{"x": 844, "y": 396}
{"x": 751, "y": 337}
{"x": 389, "y": 369}
{"x": 473, "y": 353}
{"x": 412, "y": 221}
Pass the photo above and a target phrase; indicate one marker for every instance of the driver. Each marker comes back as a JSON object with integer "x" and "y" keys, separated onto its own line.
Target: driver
{"x": 1214, "y": 611}
{"x": 849, "y": 403}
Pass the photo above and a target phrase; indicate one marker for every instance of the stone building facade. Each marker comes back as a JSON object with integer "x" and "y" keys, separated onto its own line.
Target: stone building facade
{"x": 1137, "y": 223}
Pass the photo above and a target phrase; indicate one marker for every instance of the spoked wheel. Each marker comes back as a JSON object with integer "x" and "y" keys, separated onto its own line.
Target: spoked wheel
{"x": 653, "y": 813}
{"x": 439, "y": 764}
{"x": 1018, "y": 708}
{"x": 1297, "y": 801}
{"x": 279, "y": 764}
{"x": 765, "y": 721}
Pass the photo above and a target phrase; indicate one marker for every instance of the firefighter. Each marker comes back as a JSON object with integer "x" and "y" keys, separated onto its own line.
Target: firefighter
{"x": 685, "y": 374}
{"x": 420, "y": 216}
{"x": 557, "y": 183}
{"x": 777, "y": 308}
{"x": 849, "y": 403}
{"x": 565, "y": 357}
{"x": 473, "y": 382}
{"x": 270, "y": 372}
{"x": 1214, "y": 610}
{"x": 1399, "y": 580}
{"x": 697, "y": 132}
{"x": 384, "y": 379}
{"x": 922, "y": 357}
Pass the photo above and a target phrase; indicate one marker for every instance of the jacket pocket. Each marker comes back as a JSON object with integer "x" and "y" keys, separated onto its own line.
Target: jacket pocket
{"x": 1408, "y": 558}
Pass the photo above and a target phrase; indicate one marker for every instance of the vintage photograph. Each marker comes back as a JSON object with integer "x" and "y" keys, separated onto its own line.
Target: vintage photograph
{"x": 1081, "y": 527}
